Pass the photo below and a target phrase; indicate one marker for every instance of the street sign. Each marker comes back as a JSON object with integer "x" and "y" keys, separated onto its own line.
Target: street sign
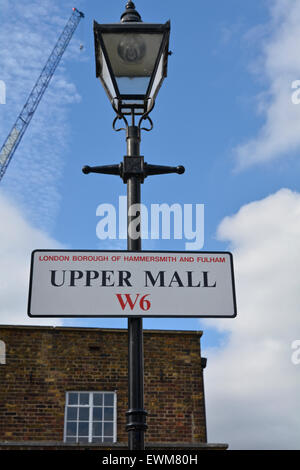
{"x": 73, "y": 283}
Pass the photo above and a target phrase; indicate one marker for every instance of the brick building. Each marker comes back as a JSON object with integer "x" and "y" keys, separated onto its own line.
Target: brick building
{"x": 64, "y": 387}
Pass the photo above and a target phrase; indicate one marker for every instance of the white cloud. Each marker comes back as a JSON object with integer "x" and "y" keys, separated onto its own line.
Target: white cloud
{"x": 252, "y": 386}
{"x": 279, "y": 64}
{"x": 28, "y": 33}
{"x": 17, "y": 240}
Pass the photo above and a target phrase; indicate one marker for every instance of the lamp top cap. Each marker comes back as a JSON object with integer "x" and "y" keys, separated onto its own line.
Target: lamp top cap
{"x": 130, "y": 14}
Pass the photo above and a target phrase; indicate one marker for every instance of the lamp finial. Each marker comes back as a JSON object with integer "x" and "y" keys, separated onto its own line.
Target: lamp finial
{"x": 130, "y": 14}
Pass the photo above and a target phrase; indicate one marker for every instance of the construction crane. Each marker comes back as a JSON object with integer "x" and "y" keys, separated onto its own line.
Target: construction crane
{"x": 12, "y": 141}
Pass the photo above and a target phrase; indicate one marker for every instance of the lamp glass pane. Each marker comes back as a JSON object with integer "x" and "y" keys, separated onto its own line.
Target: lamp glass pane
{"x": 132, "y": 58}
{"x": 133, "y": 85}
{"x": 158, "y": 78}
{"x": 106, "y": 76}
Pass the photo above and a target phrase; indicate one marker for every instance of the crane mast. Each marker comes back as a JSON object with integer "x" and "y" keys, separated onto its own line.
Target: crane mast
{"x": 12, "y": 141}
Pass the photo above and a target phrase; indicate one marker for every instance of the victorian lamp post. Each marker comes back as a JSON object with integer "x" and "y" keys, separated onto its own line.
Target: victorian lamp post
{"x": 131, "y": 63}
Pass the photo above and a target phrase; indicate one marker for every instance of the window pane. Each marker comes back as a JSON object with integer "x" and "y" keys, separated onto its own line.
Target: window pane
{"x": 73, "y": 398}
{"x": 72, "y": 413}
{"x": 98, "y": 399}
{"x": 84, "y": 414}
{"x": 83, "y": 429}
{"x": 90, "y": 415}
{"x": 97, "y": 429}
{"x": 97, "y": 414}
{"x": 108, "y": 414}
{"x": 84, "y": 399}
{"x": 108, "y": 399}
{"x": 71, "y": 429}
{"x": 108, "y": 429}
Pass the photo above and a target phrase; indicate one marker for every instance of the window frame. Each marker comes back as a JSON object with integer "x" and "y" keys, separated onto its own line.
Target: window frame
{"x": 90, "y": 406}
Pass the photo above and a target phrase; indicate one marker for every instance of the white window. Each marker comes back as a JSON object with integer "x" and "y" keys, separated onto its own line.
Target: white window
{"x": 2, "y": 353}
{"x": 91, "y": 417}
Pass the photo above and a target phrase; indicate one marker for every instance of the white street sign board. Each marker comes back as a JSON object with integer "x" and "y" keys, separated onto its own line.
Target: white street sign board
{"x": 73, "y": 283}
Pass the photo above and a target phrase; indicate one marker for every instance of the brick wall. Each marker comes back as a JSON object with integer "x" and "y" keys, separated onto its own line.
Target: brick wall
{"x": 42, "y": 363}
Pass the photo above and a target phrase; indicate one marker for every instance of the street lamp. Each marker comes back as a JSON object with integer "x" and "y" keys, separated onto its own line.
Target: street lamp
{"x": 131, "y": 62}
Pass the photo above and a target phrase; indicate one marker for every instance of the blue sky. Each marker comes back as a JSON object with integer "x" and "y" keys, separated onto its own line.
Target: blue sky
{"x": 225, "y": 113}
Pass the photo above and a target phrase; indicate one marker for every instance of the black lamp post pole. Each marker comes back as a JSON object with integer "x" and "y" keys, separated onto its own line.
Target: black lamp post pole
{"x": 136, "y": 415}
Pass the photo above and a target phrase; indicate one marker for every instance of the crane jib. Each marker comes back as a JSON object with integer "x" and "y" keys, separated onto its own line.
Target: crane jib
{"x": 18, "y": 129}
